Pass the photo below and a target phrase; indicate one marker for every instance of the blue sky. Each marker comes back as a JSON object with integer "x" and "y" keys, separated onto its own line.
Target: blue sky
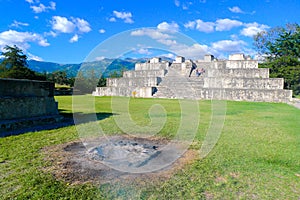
{"x": 65, "y": 31}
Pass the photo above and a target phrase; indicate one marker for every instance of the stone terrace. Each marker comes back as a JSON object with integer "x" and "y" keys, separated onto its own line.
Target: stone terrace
{"x": 237, "y": 78}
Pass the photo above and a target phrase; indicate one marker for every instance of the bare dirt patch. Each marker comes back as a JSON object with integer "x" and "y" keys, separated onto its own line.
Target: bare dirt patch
{"x": 74, "y": 163}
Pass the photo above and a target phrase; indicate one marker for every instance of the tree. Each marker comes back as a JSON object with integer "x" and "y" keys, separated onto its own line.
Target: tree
{"x": 278, "y": 42}
{"x": 14, "y": 65}
{"x": 281, "y": 48}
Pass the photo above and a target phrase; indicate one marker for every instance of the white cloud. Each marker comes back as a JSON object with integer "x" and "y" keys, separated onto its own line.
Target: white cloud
{"x": 206, "y": 27}
{"x": 200, "y": 25}
{"x": 154, "y": 34}
{"x": 50, "y": 33}
{"x": 21, "y": 39}
{"x": 62, "y": 24}
{"x": 101, "y": 31}
{"x": 74, "y": 39}
{"x": 38, "y": 8}
{"x": 34, "y": 57}
{"x": 190, "y": 25}
{"x": 82, "y": 25}
{"x": 29, "y": 1}
{"x": 252, "y": 29}
{"x": 18, "y": 24}
{"x": 195, "y": 51}
{"x": 172, "y": 27}
{"x": 168, "y": 55}
{"x": 112, "y": 19}
{"x": 229, "y": 45}
{"x": 99, "y": 58}
{"x": 144, "y": 51}
{"x": 177, "y": 3}
{"x": 236, "y": 9}
{"x": 125, "y": 16}
{"x": 227, "y": 24}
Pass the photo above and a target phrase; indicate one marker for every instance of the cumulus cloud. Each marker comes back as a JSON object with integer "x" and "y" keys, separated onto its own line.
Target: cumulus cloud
{"x": 208, "y": 27}
{"x": 200, "y": 25}
{"x": 62, "y": 24}
{"x": 195, "y": 51}
{"x": 21, "y": 39}
{"x": 177, "y": 3}
{"x": 74, "y": 39}
{"x": 125, "y": 16}
{"x": 230, "y": 46}
{"x": 227, "y": 24}
{"x": 144, "y": 51}
{"x": 34, "y": 57}
{"x": 172, "y": 27}
{"x": 112, "y": 19}
{"x": 236, "y": 9}
{"x": 252, "y": 29}
{"x": 39, "y": 7}
{"x": 65, "y": 25}
{"x": 152, "y": 33}
{"x": 82, "y": 25}
{"x": 18, "y": 24}
{"x": 101, "y": 31}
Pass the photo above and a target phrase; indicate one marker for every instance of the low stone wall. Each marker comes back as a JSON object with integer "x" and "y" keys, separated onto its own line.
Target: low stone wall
{"x": 239, "y": 73}
{"x": 258, "y": 95}
{"x": 144, "y": 92}
{"x": 25, "y": 88}
{"x": 144, "y": 73}
{"x": 151, "y": 66}
{"x": 25, "y": 103}
{"x": 246, "y": 83}
{"x": 129, "y": 82}
{"x": 244, "y": 64}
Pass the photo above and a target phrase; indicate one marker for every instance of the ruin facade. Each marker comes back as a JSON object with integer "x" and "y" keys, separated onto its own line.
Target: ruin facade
{"x": 237, "y": 79}
{"x": 26, "y": 103}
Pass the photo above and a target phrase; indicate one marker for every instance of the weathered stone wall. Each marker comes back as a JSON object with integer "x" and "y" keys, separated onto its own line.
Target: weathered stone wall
{"x": 132, "y": 82}
{"x": 151, "y": 66}
{"x": 24, "y": 103}
{"x": 259, "y": 95}
{"x": 145, "y": 73}
{"x": 25, "y": 88}
{"x": 239, "y": 73}
{"x": 245, "y": 83}
{"x": 145, "y": 92}
{"x": 241, "y": 64}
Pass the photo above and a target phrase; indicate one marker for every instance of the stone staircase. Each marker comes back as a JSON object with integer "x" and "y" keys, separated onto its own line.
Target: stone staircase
{"x": 179, "y": 86}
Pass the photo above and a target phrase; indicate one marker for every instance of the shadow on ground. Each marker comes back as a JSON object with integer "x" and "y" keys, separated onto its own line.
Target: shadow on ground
{"x": 68, "y": 119}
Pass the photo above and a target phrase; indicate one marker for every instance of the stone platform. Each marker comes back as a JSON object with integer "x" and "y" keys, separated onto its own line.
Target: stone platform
{"x": 26, "y": 103}
{"x": 238, "y": 79}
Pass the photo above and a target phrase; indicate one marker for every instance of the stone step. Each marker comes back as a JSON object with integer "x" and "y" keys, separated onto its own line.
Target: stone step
{"x": 270, "y": 95}
{"x": 133, "y": 82}
{"x": 238, "y": 73}
{"x": 245, "y": 83}
{"x": 144, "y": 73}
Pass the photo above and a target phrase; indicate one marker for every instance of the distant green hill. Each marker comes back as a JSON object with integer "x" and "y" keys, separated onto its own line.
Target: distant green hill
{"x": 105, "y": 66}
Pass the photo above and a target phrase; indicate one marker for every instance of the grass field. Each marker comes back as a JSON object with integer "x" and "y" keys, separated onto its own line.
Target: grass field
{"x": 256, "y": 157}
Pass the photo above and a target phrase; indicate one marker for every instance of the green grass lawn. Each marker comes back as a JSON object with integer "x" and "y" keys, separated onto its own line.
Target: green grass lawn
{"x": 256, "y": 157}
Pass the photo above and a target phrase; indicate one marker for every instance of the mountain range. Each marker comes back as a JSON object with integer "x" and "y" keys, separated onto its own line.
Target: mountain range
{"x": 105, "y": 66}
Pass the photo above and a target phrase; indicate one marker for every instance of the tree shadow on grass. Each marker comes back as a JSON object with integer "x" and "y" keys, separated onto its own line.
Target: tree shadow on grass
{"x": 64, "y": 119}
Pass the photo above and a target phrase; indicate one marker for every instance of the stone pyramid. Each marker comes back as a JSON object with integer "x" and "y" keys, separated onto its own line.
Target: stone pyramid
{"x": 237, "y": 79}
